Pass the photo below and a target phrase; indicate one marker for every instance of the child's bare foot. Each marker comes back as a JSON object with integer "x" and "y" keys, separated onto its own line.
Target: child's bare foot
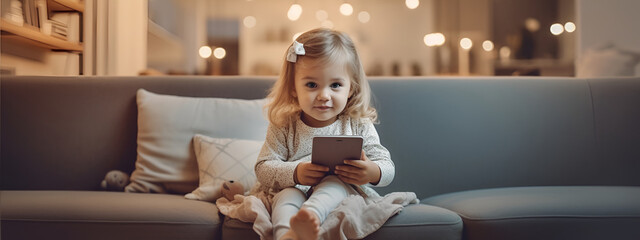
{"x": 290, "y": 235}
{"x": 305, "y": 224}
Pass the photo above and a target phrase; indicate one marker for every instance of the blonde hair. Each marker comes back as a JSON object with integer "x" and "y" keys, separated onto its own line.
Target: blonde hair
{"x": 326, "y": 45}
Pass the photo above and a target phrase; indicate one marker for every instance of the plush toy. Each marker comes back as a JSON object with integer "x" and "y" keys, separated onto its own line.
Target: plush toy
{"x": 115, "y": 180}
{"x": 231, "y": 188}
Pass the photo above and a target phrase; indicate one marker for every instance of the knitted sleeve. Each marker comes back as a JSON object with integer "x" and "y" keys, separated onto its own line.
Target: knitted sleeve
{"x": 272, "y": 168}
{"x": 376, "y": 152}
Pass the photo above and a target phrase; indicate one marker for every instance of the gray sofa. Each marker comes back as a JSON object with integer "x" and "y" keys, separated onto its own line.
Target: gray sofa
{"x": 490, "y": 157}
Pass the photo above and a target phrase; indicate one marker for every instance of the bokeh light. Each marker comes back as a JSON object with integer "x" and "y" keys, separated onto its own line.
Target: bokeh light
{"x": 434, "y": 39}
{"x": 532, "y": 24}
{"x": 249, "y": 21}
{"x": 487, "y": 45}
{"x": 346, "y": 9}
{"x": 295, "y": 11}
{"x": 466, "y": 43}
{"x": 364, "y": 17}
{"x": 219, "y": 53}
{"x": 570, "y": 27}
{"x": 322, "y": 15}
{"x": 505, "y": 52}
{"x": 556, "y": 29}
{"x": 205, "y": 52}
{"x": 412, "y": 4}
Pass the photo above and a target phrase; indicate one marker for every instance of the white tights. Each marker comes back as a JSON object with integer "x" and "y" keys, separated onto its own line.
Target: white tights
{"x": 325, "y": 197}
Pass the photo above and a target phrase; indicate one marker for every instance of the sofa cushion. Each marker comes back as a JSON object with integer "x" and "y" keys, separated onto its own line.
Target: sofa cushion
{"x": 223, "y": 159}
{"x": 565, "y": 212}
{"x": 166, "y": 125}
{"x": 417, "y": 221}
{"x": 105, "y": 215}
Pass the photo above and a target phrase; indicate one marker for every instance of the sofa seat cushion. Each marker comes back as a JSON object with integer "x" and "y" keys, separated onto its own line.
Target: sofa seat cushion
{"x": 105, "y": 215}
{"x": 417, "y": 221}
{"x": 562, "y": 212}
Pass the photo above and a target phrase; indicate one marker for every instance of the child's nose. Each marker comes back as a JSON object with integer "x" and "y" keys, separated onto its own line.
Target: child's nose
{"x": 324, "y": 95}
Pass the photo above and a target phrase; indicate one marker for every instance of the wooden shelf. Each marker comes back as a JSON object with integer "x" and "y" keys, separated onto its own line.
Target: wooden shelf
{"x": 32, "y": 35}
{"x": 65, "y": 5}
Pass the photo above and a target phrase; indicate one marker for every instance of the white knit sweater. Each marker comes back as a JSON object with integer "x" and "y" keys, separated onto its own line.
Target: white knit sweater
{"x": 286, "y": 147}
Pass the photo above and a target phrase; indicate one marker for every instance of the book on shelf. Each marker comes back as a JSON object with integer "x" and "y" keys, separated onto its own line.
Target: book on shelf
{"x": 59, "y": 32}
{"x": 21, "y": 12}
{"x": 26, "y": 12}
{"x": 30, "y": 12}
{"x": 42, "y": 13}
{"x": 12, "y": 11}
{"x": 71, "y": 23}
{"x": 55, "y": 29}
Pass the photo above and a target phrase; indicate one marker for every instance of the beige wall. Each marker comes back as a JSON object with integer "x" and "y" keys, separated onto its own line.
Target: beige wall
{"x": 127, "y": 37}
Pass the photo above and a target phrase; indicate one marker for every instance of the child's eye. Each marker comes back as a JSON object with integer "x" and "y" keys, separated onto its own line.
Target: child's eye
{"x": 311, "y": 85}
{"x": 336, "y": 85}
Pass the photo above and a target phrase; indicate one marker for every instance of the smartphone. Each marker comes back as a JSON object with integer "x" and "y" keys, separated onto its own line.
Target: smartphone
{"x": 331, "y": 151}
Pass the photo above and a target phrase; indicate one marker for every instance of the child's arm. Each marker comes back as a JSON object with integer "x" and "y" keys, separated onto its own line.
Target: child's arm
{"x": 275, "y": 171}
{"x": 272, "y": 168}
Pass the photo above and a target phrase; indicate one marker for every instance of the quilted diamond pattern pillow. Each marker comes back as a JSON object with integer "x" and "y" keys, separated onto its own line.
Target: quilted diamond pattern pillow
{"x": 222, "y": 159}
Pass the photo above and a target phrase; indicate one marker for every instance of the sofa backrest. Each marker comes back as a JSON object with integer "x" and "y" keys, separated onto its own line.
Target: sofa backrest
{"x": 66, "y": 133}
{"x": 458, "y": 134}
{"x": 444, "y": 134}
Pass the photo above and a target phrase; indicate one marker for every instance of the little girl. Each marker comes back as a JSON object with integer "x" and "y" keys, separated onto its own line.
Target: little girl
{"x": 322, "y": 91}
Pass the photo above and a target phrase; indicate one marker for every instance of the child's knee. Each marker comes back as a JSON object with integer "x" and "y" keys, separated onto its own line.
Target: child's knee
{"x": 290, "y": 195}
{"x": 331, "y": 180}
{"x": 333, "y": 185}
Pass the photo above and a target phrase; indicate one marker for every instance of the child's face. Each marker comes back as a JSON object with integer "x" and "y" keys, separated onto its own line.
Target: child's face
{"x": 322, "y": 90}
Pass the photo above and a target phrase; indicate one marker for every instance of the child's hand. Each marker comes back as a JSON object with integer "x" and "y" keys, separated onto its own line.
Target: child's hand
{"x": 359, "y": 172}
{"x": 310, "y": 174}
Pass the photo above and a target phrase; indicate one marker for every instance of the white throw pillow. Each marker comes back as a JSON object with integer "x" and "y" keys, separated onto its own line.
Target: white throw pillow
{"x": 607, "y": 61}
{"x": 223, "y": 159}
{"x": 166, "y": 162}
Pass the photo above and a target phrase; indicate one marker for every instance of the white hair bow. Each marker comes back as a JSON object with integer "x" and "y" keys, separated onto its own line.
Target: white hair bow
{"x": 295, "y": 50}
